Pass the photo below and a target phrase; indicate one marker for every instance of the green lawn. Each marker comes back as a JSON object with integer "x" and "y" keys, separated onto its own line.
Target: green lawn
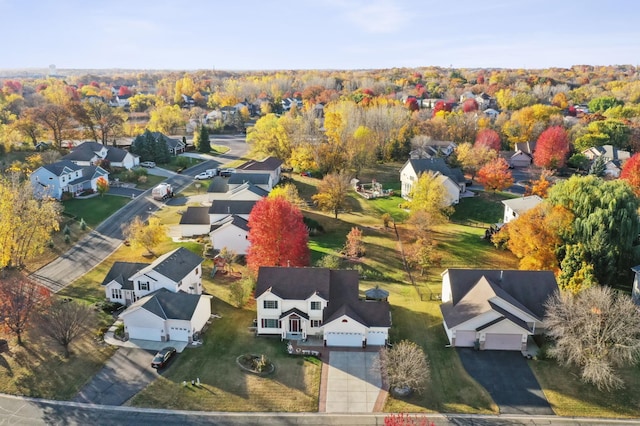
{"x": 485, "y": 208}
{"x": 94, "y": 210}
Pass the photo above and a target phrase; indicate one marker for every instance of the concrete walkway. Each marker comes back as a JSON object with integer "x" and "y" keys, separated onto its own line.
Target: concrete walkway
{"x": 351, "y": 383}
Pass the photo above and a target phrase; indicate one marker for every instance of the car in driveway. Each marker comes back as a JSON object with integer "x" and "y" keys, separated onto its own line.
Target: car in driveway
{"x": 227, "y": 172}
{"x": 163, "y": 356}
{"x": 148, "y": 164}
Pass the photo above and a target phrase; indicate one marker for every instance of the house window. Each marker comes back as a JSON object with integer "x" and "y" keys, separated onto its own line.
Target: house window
{"x": 316, "y": 323}
{"x": 116, "y": 293}
{"x": 316, "y": 306}
{"x": 270, "y": 304}
{"x": 270, "y": 323}
{"x": 197, "y": 271}
{"x": 143, "y": 286}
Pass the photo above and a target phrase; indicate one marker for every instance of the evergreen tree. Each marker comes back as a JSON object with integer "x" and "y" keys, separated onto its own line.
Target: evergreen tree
{"x": 142, "y": 146}
{"x": 201, "y": 140}
{"x": 598, "y": 166}
{"x": 161, "y": 154}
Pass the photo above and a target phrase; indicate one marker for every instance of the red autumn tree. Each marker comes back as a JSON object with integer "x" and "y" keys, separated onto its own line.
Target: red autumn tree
{"x": 277, "y": 234}
{"x": 19, "y": 299}
{"x": 631, "y": 172}
{"x": 489, "y": 138}
{"x": 412, "y": 104}
{"x": 552, "y": 148}
{"x": 443, "y": 106}
{"x": 495, "y": 175}
{"x": 124, "y": 91}
{"x": 102, "y": 186}
{"x": 469, "y": 105}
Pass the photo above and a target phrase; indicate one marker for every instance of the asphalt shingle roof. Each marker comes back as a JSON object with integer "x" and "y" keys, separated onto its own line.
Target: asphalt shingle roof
{"x": 421, "y": 165}
{"x": 195, "y": 216}
{"x": 120, "y": 272}
{"x": 176, "y": 264}
{"x": 231, "y": 206}
{"x": 169, "y": 305}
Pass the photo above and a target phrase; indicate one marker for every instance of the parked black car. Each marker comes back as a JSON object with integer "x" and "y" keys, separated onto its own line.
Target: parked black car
{"x": 163, "y": 356}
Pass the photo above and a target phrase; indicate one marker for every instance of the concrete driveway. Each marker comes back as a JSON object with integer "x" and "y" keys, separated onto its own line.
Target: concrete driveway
{"x": 125, "y": 374}
{"x": 351, "y": 383}
{"x": 508, "y": 379}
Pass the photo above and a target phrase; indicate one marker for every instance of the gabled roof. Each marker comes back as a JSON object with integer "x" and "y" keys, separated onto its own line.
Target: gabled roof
{"x": 254, "y": 178}
{"x": 294, "y": 311}
{"x": 195, "y": 216}
{"x": 175, "y": 264}
{"x": 267, "y": 164}
{"x": 609, "y": 152}
{"x": 120, "y": 272}
{"x": 527, "y": 290}
{"x": 339, "y": 287}
{"x": 84, "y": 152}
{"x": 293, "y": 283}
{"x": 231, "y": 206}
{"x": 233, "y": 220}
{"x": 247, "y": 187}
{"x": 62, "y": 167}
{"x": 522, "y": 204}
{"x": 526, "y": 147}
{"x": 420, "y": 165}
{"x": 89, "y": 173}
{"x": 167, "y": 305}
{"x": 171, "y": 142}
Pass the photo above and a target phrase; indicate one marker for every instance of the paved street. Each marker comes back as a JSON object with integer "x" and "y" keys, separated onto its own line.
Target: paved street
{"x": 106, "y": 238}
{"x": 30, "y": 411}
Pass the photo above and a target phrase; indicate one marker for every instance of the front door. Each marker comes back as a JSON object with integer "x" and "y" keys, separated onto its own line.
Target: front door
{"x": 294, "y": 324}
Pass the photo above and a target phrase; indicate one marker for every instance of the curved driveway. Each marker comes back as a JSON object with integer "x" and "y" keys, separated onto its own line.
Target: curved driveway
{"x": 102, "y": 241}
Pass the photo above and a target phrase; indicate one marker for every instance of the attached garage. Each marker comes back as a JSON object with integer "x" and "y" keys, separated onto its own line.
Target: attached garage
{"x": 504, "y": 342}
{"x": 145, "y": 333}
{"x": 180, "y": 334}
{"x": 465, "y": 338}
{"x": 376, "y": 338}
{"x": 353, "y": 340}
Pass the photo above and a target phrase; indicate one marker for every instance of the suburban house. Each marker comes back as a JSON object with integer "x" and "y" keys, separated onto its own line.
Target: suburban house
{"x": 270, "y": 165}
{"x": 526, "y": 147}
{"x": 179, "y": 270}
{"x": 245, "y": 191}
{"x": 261, "y": 180}
{"x": 220, "y": 209}
{"x": 614, "y": 158}
{"x": 295, "y": 303}
{"x": 176, "y": 146}
{"x": 231, "y": 232}
{"x": 491, "y": 113}
{"x": 520, "y": 159}
{"x": 163, "y": 315}
{"x": 433, "y": 149}
{"x": 493, "y": 309}
{"x": 515, "y": 207}
{"x": 65, "y": 176}
{"x": 90, "y": 153}
{"x": 195, "y": 221}
{"x": 453, "y": 180}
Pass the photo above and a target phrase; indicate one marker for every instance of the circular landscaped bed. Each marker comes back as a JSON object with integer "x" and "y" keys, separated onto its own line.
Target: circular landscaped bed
{"x": 255, "y": 364}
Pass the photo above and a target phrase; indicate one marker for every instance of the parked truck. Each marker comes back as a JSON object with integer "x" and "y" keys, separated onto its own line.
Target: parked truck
{"x": 162, "y": 191}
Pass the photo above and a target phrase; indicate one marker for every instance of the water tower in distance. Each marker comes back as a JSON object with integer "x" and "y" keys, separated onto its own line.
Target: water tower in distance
{"x": 53, "y": 71}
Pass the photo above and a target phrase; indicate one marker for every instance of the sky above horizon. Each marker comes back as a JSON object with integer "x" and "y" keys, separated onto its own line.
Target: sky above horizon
{"x": 320, "y": 34}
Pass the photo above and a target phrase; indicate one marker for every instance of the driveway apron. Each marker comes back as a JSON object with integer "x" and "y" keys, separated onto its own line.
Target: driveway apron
{"x": 353, "y": 383}
{"x": 508, "y": 379}
{"x": 125, "y": 374}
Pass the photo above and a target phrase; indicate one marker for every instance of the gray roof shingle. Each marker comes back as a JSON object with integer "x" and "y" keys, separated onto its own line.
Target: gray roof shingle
{"x": 121, "y": 271}
{"x": 421, "y": 165}
{"x": 176, "y": 264}
{"x": 169, "y": 305}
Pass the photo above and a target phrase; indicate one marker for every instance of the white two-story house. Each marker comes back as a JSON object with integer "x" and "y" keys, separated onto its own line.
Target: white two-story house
{"x": 179, "y": 270}
{"x": 452, "y": 180}
{"x": 295, "y": 303}
{"x": 54, "y": 179}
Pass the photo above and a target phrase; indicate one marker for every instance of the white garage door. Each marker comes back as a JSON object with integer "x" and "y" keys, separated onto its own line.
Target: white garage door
{"x": 376, "y": 338}
{"x": 504, "y": 342}
{"x": 145, "y": 333}
{"x": 465, "y": 339}
{"x": 344, "y": 339}
{"x": 179, "y": 334}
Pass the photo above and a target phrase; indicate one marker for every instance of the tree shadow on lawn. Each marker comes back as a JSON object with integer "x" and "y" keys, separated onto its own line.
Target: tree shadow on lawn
{"x": 214, "y": 363}
{"x": 450, "y": 388}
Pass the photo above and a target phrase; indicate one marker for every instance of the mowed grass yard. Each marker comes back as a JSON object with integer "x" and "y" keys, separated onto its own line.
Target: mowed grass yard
{"x": 416, "y": 317}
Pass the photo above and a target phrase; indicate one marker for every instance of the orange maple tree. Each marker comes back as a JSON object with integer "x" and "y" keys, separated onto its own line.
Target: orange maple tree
{"x": 631, "y": 173}
{"x": 495, "y": 175}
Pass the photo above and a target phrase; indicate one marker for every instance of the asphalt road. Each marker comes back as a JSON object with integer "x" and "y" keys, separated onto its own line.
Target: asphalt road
{"x": 107, "y": 237}
{"x": 30, "y": 411}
